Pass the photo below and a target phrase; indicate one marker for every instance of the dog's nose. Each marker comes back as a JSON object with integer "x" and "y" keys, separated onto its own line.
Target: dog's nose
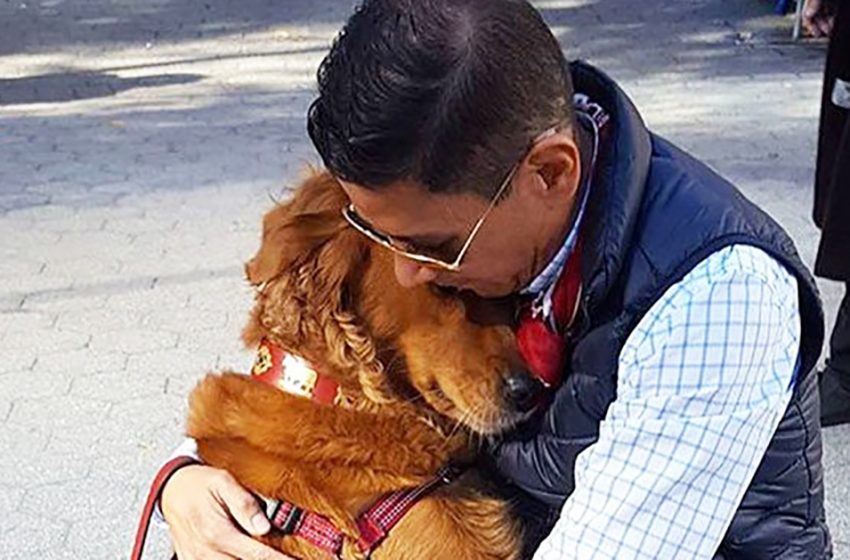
{"x": 521, "y": 391}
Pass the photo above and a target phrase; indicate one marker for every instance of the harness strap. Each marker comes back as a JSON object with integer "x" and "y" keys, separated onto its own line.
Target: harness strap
{"x": 316, "y": 529}
{"x": 374, "y": 524}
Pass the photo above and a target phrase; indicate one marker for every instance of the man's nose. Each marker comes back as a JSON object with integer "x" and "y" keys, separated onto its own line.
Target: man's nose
{"x": 410, "y": 273}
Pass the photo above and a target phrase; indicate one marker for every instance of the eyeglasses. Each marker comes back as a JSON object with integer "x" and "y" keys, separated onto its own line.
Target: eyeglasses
{"x": 408, "y": 251}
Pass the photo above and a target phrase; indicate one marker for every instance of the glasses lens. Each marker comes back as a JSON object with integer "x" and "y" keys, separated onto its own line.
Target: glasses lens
{"x": 406, "y": 249}
{"x": 359, "y": 223}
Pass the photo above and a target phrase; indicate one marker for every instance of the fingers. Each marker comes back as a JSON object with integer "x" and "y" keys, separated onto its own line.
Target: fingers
{"x": 810, "y": 11}
{"x": 819, "y": 26}
{"x": 245, "y": 510}
{"x": 825, "y": 25}
{"x": 203, "y": 506}
{"x": 818, "y": 19}
{"x": 243, "y": 506}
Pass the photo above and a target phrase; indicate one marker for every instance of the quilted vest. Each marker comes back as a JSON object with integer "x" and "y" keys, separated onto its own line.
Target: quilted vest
{"x": 654, "y": 213}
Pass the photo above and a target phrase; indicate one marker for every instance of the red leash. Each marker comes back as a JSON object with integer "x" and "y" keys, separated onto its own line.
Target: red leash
{"x": 159, "y": 481}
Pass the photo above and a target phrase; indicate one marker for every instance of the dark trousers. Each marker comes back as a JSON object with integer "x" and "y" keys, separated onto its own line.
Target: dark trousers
{"x": 839, "y": 342}
{"x": 832, "y": 179}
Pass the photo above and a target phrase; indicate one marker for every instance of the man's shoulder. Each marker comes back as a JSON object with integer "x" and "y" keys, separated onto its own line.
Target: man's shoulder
{"x": 742, "y": 261}
{"x": 689, "y": 212}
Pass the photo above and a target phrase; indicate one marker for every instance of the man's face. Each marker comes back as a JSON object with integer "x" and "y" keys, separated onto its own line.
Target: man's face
{"x": 517, "y": 238}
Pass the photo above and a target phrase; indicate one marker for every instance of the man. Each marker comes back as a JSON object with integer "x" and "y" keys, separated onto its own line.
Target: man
{"x": 686, "y": 424}
{"x": 832, "y": 195}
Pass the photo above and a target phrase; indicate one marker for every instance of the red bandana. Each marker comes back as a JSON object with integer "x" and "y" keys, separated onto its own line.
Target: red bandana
{"x": 542, "y": 345}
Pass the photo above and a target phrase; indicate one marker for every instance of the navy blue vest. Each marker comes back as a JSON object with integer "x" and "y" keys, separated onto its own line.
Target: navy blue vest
{"x": 654, "y": 213}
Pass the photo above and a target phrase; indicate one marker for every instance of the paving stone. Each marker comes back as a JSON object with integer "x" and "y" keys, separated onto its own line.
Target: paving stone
{"x": 58, "y": 413}
{"x": 114, "y": 387}
{"x": 134, "y": 340}
{"x": 10, "y": 500}
{"x": 87, "y": 539}
{"x": 82, "y": 268}
{"x": 138, "y": 415}
{"x": 46, "y": 341}
{"x": 64, "y": 299}
{"x": 185, "y": 320}
{"x": 22, "y": 321}
{"x": 31, "y": 385}
{"x": 89, "y": 321}
{"x": 28, "y": 535}
{"x": 16, "y": 267}
{"x": 45, "y": 470}
{"x": 158, "y": 365}
{"x": 837, "y": 503}
{"x": 836, "y": 443}
{"x": 95, "y": 498}
{"x": 16, "y": 360}
{"x": 85, "y": 220}
{"x": 79, "y": 363}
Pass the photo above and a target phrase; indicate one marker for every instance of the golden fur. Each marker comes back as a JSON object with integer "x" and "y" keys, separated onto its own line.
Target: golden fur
{"x": 417, "y": 374}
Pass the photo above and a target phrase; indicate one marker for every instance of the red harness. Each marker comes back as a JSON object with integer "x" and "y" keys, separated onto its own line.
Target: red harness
{"x": 374, "y": 524}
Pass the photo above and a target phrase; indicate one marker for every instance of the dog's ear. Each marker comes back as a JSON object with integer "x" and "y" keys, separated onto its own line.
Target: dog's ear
{"x": 338, "y": 266}
{"x": 291, "y": 231}
{"x": 338, "y": 288}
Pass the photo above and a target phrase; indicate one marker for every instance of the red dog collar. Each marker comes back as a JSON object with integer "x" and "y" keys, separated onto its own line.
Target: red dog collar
{"x": 293, "y": 375}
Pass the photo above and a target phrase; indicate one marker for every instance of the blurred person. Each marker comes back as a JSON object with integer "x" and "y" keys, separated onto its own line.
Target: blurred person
{"x": 825, "y": 18}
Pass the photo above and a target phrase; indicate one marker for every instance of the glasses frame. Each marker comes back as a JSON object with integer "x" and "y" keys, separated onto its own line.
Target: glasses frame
{"x": 358, "y": 223}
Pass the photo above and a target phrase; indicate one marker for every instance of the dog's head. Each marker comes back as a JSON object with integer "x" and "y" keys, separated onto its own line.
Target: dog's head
{"x": 328, "y": 294}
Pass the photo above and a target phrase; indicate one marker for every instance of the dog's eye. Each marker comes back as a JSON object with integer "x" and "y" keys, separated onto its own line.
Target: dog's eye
{"x": 437, "y": 392}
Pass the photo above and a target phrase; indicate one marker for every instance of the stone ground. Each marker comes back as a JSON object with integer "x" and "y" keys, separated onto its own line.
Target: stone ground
{"x": 140, "y": 142}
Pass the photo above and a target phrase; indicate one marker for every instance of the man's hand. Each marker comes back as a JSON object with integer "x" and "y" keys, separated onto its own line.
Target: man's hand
{"x": 202, "y": 506}
{"x": 819, "y": 17}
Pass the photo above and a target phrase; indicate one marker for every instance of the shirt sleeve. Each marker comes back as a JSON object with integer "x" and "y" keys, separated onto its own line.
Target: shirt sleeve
{"x": 703, "y": 382}
{"x": 189, "y": 448}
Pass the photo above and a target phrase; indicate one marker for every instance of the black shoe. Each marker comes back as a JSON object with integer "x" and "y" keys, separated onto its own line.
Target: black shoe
{"x": 834, "y": 397}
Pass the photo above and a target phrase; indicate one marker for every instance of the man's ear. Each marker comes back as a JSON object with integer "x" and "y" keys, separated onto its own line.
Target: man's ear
{"x": 556, "y": 159}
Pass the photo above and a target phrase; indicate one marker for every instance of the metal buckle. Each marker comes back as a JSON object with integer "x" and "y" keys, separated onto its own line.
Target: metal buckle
{"x": 291, "y": 522}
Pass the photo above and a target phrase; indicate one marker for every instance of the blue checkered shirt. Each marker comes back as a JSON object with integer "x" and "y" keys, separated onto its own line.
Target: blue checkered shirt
{"x": 703, "y": 381}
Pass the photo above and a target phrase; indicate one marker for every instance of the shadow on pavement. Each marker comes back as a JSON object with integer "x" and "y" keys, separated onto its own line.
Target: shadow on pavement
{"x": 75, "y": 85}
{"x": 29, "y": 26}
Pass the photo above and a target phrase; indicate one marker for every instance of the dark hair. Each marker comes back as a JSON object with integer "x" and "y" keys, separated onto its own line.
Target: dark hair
{"x": 448, "y": 93}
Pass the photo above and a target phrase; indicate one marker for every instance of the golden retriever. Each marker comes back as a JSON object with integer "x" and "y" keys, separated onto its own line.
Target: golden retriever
{"x": 418, "y": 380}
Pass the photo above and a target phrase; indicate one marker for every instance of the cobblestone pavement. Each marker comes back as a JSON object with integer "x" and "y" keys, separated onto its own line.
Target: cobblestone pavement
{"x": 140, "y": 143}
